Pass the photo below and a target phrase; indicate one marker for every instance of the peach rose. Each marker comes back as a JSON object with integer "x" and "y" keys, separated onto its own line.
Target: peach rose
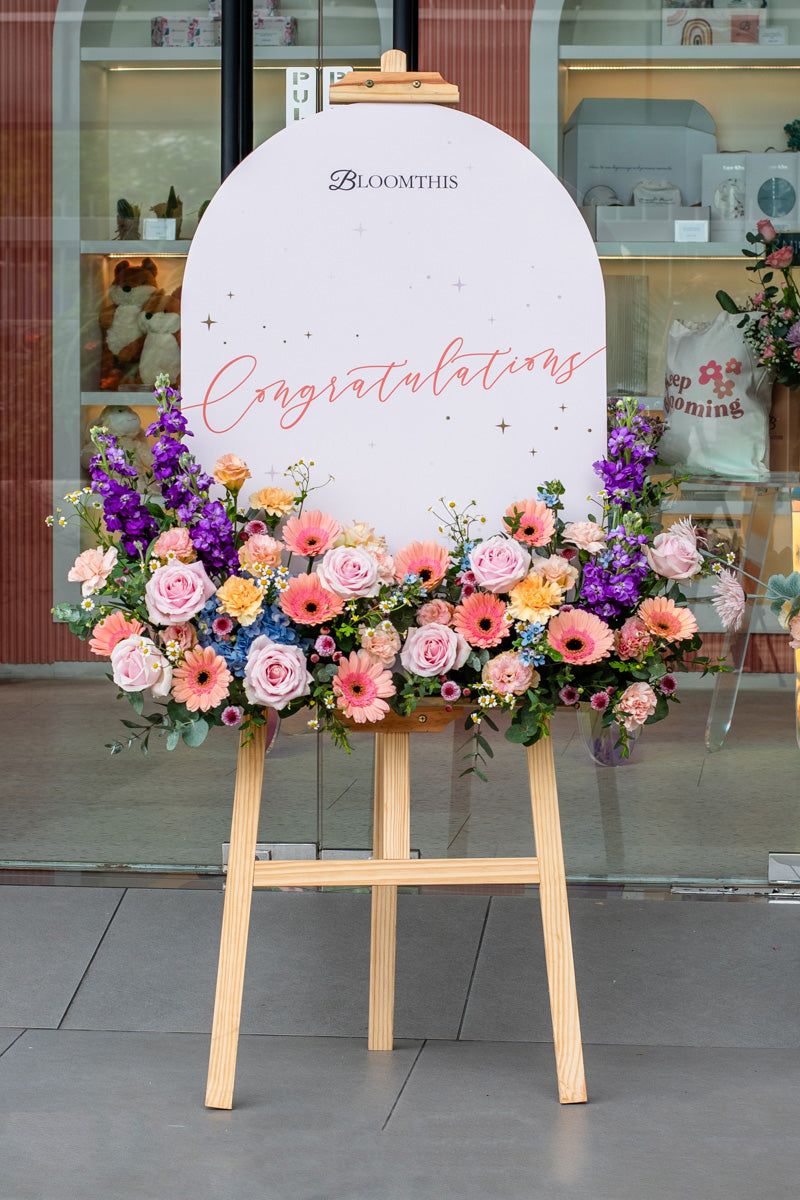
{"x": 176, "y": 592}
{"x": 240, "y": 599}
{"x": 231, "y": 471}
{"x": 506, "y": 673}
{"x": 174, "y": 543}
{"x": 361, "y": 534}
{"x": 438, "y": 611}
{"x": 586, "y": 535}
{"x": 137, "y": 663}
{"x": 260, "y": 551}
{"x": 637, "y": 703}
{"x": 92, "y": 568}
{"x": 556, "y": 569}
{"x": 434, "y": 650}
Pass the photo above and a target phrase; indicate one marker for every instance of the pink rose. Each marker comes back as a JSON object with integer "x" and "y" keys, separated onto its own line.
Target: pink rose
{"x": 175, "y": 543}
{"x": 382, "y": 643}
{"x": 674, "y": 554}
{"x": 137, "y": 663}
{"x": 766, "y": 231}
{"x": 349, "y": 571}
{"x": 439, "y": 612}
{"x": 275, "y": 673}
{"x": 434, "y": 650}
{"x": 177, "y": 592}
{"x": 92, "y": 568}
{"x": 780, "y": 258}
{"x": 586, "y": 535}
{"x": 637, "y": 703}
{"x": 499, "y": 564}
{"x": 506, "y": 673}
{"x": 385, "y": 565}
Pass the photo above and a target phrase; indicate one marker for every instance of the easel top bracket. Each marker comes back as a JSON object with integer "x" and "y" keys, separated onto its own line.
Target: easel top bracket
{"x": 393, "y": 85}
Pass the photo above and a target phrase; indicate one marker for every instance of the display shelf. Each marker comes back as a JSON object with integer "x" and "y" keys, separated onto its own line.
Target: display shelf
{"x": 142, "y": 399}
{"x": 674, "y": 250}
{"x": 682, "y": 57}
{"x": 180, "y": 57}
{"x": 120, "y": 249}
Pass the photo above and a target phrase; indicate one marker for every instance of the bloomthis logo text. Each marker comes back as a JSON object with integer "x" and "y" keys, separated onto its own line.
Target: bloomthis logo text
{"x": 345, "y": 180}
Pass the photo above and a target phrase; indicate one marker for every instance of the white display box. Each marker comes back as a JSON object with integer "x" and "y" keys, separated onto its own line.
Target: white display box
{"x": 184, "y": 31}
{"x": 618, "y": 143}
{"x": 772, "y": 184}
{"x": 648, "y": 223}
{"x": 274, "y": 31}
{"x": 723, "y": 190}
{"x": 709, "y": 27}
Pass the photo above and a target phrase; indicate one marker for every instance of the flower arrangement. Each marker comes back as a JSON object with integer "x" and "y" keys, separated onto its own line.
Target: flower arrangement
{"x": 221, "y": 610}
{"x": 771, "y": 320}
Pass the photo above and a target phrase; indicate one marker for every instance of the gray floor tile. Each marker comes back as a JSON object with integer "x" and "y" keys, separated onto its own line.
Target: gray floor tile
{"x": 99, "y": 1115}
{"x": 666, "y": 1123}
{"x": 7, "y": 1038}
{"x": 307, "y": 967}
{"x": 48, "y": 936}
{"x": 716, "y": 973}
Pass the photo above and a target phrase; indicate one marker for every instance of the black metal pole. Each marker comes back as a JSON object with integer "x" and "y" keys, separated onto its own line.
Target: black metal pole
{"x": 246, "y": 80}
{"x": 405, "y": 22}
{"x": 230, "y": 82}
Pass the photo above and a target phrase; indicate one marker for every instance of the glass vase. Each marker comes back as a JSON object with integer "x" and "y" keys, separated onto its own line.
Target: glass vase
{"x": 601, "y": 741}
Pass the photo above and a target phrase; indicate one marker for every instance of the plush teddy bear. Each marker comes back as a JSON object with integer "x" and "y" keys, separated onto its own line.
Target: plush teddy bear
{"x": 159, "y": 324}
{"x": 119, "y": 320}
{"x": 126, "y": 427}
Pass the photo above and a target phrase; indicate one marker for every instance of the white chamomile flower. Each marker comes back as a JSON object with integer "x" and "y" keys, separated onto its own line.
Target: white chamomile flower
{"x": 87, "y": 604}
{"x": 313, "y": 723}
{"x": 62, "y": 522}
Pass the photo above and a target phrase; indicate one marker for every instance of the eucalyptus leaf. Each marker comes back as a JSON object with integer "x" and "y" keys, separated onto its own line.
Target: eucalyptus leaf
{"x": 196, "y": 733}
{"x": 783, "y": 587}
{"x": 173, "y": 737}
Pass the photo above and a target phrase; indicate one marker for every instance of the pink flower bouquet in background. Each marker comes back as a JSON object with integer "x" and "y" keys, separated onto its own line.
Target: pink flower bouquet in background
{"x": 771, "y": 319}
{"x": 218, "y": 608}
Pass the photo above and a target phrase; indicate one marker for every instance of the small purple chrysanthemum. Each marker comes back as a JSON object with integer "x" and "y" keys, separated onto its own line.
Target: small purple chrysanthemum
{"x": 450, "y": 691}
{"x": 569, "y": 694}
{"x": 668, "y": 685}
{"x": 599, "y": 701}
{"x": 325, "y": 645}
{"x": 232, "y": 715}
{"x": 222, "y": 626}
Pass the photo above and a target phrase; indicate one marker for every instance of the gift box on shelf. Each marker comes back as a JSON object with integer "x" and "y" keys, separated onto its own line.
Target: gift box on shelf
{"x": 772, "y": 190}
{"x": 184, "y": 31}
{"x": 709, "y": 27}
{"x": 723, "y": 190}
{"x": 269, "y": 30}
{"x": 649, "y": 223}
{"x": 267, "y": 8}
{"x": 619, "y": 142}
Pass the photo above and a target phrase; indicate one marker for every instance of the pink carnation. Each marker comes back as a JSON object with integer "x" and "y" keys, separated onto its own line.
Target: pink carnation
{"x": 183, "y": 635}
{"x": 438, "y": 611}
{"x": 636, "y": 704}
{"x": 586, "y": 535}
{"x": 92, "y": 568}
{"x": 383, "y": 642}
{"x": 794, "y": 632}
{"x": 174, "y": 543}
{"x": 632, "y": 640}
{"x": 507, "y": 674}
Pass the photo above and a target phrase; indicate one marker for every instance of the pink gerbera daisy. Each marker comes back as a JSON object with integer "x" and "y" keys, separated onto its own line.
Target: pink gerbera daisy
{"x": 662, "y": 617}
{"x": 202, "y": 679}
{"x": 306, "y": 601}
{"x": 480, "y": 618}
{"x": 428, "y": 560}
{"x": 580, "y": 637}
{"x": 360, "y": 686}
{"x": 311, "y": 533}
{"x": 112, "y": 629}
{"x": 536, "y": 522}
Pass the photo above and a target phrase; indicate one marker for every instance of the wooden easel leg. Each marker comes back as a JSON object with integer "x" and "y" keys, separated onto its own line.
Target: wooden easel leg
{"x": 391, "y": 839}
{"x": 555, "y": 923}
{"x": 236, "y": 921}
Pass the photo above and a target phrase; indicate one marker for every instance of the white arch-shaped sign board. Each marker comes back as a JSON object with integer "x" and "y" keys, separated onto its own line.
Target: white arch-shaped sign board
{"x": 409, "y": 298}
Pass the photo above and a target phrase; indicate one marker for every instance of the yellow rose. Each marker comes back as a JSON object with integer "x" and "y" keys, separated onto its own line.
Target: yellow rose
{"x": 536, "y": 598}
{"x": 275, "y": 501}
{"x": 240, "y": 599}
{"x": 231, "y": 472}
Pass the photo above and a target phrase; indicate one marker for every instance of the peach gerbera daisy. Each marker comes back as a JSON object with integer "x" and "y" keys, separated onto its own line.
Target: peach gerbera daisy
{"x": 580, "y": 637}
{"x": 663, "y": 618}
{"x": 202, "y": 679}
{"x": 536, "y": 522}
{"x": 480, "y": 618}
{"x": 311, "y": 533}
{"x": 306, "y": 601}
{"x": 535, "y": 598}
{"x": 360, "y": 686}
{"x": 428, "y": 560}
{"x": 112, "y": 629}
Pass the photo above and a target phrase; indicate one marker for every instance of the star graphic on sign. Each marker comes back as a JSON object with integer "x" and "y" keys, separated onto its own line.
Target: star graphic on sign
{"x": 359, "y": 229}
{"x": 272, "y": 472}
{"x": 458, "y": 284}
{"x": 533, "y": 453}
{"x": 230, "y": 295}
{"x": 208, "y": 322}
{"x": 502, "y": 426}
{"x": 563, "y": 407}
{"x": 308, "y": 335}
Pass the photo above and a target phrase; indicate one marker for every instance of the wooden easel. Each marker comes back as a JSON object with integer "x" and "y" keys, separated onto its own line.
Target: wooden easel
{"x": 391, "y": 865}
